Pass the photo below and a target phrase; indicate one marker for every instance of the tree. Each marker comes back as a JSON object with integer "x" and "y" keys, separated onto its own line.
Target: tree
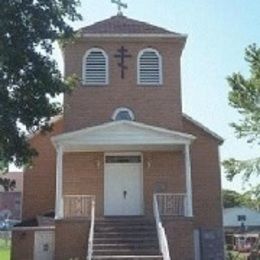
{"x": 250, "y": 199}
{"x": 231, "y": 199}
{"x": 7, "y": 184}
{"x": 244, "y": 96}
{"x": 29, "y": 77}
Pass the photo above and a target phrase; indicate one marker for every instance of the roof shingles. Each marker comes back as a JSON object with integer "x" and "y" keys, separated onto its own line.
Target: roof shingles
{"x": 120, "y": 24}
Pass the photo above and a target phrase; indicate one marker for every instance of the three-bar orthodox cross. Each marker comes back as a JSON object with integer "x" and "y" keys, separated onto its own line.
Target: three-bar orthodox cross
{"x": 120, "y": 5}
{"x": 122, "y": 55}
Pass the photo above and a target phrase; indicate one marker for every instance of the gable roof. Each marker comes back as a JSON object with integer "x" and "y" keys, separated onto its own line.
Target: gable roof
{"x": 204, "y": 128}
{"x": 120, "y": 24}
{"x": 118, "y": 135}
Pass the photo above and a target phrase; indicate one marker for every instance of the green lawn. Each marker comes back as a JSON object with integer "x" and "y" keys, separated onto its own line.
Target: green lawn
{"x": 4, "y": 250}
{"x": 5, "y": 253}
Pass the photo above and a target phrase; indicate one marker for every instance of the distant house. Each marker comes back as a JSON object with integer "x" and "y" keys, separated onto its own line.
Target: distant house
{"x": 241, "y": 218}
{"x": 11, "y": 202}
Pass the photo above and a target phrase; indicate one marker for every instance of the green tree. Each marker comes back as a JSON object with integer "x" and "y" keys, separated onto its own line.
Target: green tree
{"x": 231, "y": 199}
{"x": 29, "y": 77}
{"x": 250, "y": 199}
{"x": 7, "y": 184}
{"x": 244, "y": 96}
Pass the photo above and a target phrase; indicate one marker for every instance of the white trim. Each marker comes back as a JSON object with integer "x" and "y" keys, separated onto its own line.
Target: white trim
{"x": 135, "y": 35}
{"x": 84, "y": 67}
{"x": 59, "y": 138}
{"x": 122, "y": 109}
{"x": 188, "y": 179}
{"x": 59, "y": 207}
{"x": 206, "y": 129}
{"x": 141, "y": 174}
{"x": 160, "y": 67}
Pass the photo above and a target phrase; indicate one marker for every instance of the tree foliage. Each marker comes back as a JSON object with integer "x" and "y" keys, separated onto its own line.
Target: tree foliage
{"x": 250, "y": 199}
{"x": 7, "y": 184}
{"x": 231, "y": 199}
{"x": 29, "y": 77}
{"x": 244, "y": 96}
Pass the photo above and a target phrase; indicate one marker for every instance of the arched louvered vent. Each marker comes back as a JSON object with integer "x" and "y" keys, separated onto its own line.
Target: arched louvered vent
{"x": 149, "y": 67}
{"x": 95, "y": 67}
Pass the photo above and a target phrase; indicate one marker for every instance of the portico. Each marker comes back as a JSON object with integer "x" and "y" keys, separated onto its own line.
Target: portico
{"x": 126, "y": 140}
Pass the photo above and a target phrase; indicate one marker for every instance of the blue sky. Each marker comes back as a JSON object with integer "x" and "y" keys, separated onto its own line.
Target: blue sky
{"x": 218, "y": 32}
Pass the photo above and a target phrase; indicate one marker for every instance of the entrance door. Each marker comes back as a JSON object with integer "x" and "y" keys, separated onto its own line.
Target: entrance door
{"x": 44, "y": 245}
{"x": 123, "y": 185}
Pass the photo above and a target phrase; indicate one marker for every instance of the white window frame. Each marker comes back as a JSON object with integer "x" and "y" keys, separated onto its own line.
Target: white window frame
{"x": 160, "y": 67}
{"x": 122, "y": 109}
{"x": 84, "y": 67}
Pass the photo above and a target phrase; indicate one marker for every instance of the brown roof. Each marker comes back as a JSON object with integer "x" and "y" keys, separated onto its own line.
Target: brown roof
{"x": 120, "y": 24}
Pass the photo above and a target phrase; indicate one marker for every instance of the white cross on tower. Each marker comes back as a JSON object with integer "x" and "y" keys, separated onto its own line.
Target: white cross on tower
{"x": 120, "y": 6}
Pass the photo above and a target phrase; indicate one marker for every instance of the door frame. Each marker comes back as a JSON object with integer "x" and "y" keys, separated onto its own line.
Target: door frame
{"x": 141, "y": 176}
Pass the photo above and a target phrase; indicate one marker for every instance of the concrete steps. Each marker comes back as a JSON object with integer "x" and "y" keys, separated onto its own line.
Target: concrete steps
{"x": 125, "y": 238}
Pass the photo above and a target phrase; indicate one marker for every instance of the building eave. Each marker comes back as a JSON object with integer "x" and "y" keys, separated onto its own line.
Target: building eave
{"x": 204, "y": 128}
{"x": 122, "y": 134}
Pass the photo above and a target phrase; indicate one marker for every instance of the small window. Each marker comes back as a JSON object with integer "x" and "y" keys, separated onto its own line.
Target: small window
{"x": 123, "y": 159}
{"x": 123, "y": 113}
{"x": 149, "y": 67}
{"x": 241, "y": 218}
{"x": 95, "y": 67}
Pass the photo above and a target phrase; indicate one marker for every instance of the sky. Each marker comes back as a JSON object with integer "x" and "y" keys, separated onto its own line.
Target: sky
{"x": 218, "y": 32}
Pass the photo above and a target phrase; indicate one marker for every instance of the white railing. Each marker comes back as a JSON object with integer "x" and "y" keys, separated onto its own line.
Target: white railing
{"x": 91, "y": 230}
{"x": 172, "y": 204}
{"x": 78, "y": 206}
{"x": 163, "y": 243}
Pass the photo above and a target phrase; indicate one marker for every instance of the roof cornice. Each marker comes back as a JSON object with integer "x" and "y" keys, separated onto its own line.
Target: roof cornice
{"x": 134, "y": 35}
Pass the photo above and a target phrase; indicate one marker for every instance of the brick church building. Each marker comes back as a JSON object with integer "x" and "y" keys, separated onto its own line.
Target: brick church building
{"x": 124, "y": 174}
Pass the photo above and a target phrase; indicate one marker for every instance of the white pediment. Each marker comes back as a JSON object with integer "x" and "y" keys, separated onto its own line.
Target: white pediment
{"x": 121, "y": 133}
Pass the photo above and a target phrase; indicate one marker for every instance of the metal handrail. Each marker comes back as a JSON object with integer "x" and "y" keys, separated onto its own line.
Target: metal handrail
{"x": 91, "y": 231}
{"x": 163, "y": 242}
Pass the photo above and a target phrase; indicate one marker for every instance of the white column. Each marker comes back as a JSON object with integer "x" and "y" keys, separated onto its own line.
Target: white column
{"x": 59, "y": 208}
{"x": 189, "y": 209}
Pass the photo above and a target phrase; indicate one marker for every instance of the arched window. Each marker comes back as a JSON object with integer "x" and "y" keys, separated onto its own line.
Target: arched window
{"x": 149, "y": 64}
{"x": 123, "y": 113}
{"x": 95, "y": 67}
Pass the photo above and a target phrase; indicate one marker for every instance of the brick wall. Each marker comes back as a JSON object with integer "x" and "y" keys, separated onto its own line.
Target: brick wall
{"x": 206, "y": 178}
{"x": 84, "y": 175}
{"x": 22, "y": 245}
{"x": 160, "y": 106}
{"x": 40, "y": 179}
{"x": 71, "y": 239}
{"x": 179, "y": 232}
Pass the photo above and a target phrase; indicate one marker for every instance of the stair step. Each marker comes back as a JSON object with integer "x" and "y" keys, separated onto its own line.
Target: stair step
{"x": 125, "y": 252}
{"x": 128, "y": 257}
{"x": 114, "y": 222}
{"x": 139, "y": 240}
{"x": 124, "y": 228}
{"x": 126, "y": 238}
{"x": 148, "y": 233}
{"x": 126, "y": 246}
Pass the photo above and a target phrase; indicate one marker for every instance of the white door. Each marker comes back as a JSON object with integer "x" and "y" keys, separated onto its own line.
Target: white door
{"x": 44, "y": 245}
{"x": 123, "y": 186}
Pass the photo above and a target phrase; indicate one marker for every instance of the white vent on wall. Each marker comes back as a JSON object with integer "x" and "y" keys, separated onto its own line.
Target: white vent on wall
{"x": 95, "y": 67}
{"x": 149, "y": 67}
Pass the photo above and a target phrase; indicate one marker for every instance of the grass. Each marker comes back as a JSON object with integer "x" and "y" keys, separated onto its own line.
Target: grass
{"x": 4, "y": 250}
{"x": 5, "y": 253}
{"x": 232, "y": 255}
